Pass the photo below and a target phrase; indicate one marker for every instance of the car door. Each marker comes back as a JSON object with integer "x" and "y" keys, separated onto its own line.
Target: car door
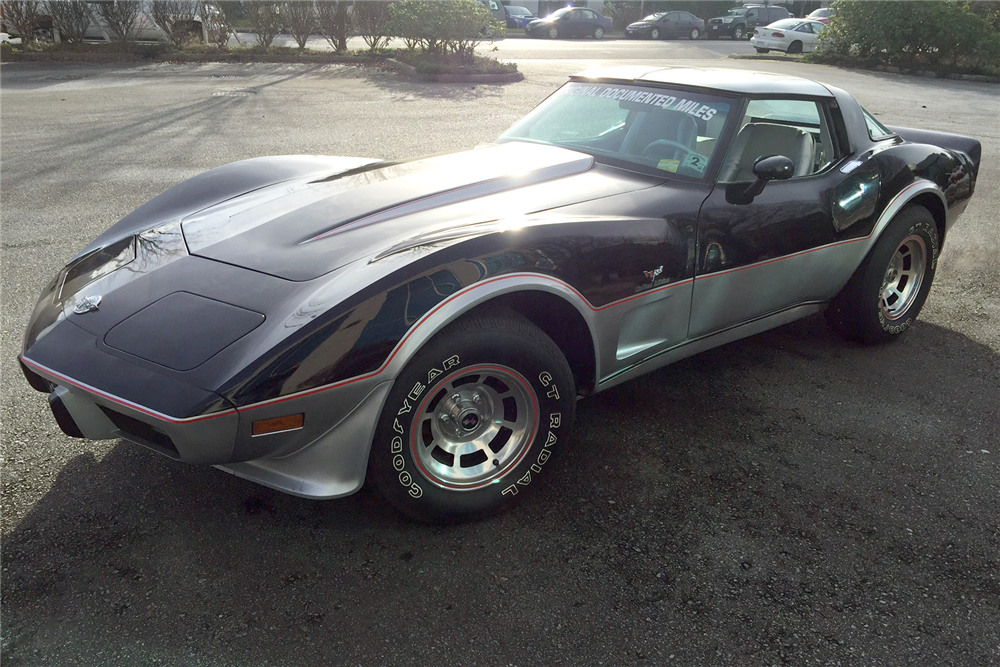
{"x": 807, "y": 33}
{"x": 795, "y": 242}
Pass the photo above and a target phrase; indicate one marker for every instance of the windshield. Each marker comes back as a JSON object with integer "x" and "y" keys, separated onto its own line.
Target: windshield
{"x": 739, "y": 11}
{"x": 559, "y": 13}
{"x": 653, "y": 17}
{"x": 657, "y": 130}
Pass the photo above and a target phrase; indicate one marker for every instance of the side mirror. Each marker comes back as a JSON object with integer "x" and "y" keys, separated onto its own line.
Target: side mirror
{"x": 770, "y": 168}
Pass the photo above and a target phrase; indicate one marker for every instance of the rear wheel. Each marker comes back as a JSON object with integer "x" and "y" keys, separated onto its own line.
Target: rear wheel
{"x": 695, "y": 33}
{"x": 598, "y": 32}
{"x": 472, "y": 420}
{"x": 886, "y": 293}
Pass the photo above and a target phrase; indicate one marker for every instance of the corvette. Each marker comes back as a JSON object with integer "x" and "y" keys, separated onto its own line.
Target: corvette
{"x": 307, "y": 322}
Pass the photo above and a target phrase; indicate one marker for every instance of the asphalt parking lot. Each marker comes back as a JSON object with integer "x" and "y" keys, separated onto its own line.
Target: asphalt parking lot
{"x": 788, "y": 499}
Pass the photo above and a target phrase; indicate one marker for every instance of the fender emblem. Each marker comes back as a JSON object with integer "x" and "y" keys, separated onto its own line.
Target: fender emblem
{"x": 655, "y": 272}
{"x": 88, "y": 304}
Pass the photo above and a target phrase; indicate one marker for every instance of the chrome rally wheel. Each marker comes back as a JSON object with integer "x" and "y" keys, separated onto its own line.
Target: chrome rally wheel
{"x": 904, "y": 277}
{"x": 885, "y": 294}
{"x": 472, "y": 420}
{"x": 474, "y": 426}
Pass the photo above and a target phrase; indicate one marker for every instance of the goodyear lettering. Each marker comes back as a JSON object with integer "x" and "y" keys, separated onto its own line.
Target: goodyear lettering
{"x": 398, "y": 462}
{"x": 450, "y": 362}
{"x": 397, "y": 445}
{"x": 397, "y": 427}
{"x": 406, "y": 407}
{"x": 416, "y": 391}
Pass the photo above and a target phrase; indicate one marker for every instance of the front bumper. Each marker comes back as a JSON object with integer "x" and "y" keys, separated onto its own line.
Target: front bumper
{"x": 326, "y": 458}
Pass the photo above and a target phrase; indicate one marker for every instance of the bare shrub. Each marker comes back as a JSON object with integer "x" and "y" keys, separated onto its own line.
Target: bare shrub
{"x": 371, "y": 21}
{"x": 265, "y": 18}
{"x": 334, "y": 22}
{"x": 176, "y": 18}
{"x": 71, "y": 18}
{"x": 217, "y": 20}
{"x": 121, "y": 17}
{"x": 22, "y": 15}
{"x": 300, "y": 20}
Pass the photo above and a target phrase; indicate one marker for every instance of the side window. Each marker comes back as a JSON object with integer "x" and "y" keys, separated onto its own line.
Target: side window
{"x": 493, "y": 5}
{"x": 587, "y": 14}
{"x": 797, "y": 129}
{"x": 752, "y": 14}
{"x": 674, "y": 16}
{"x": 876, "y": 130}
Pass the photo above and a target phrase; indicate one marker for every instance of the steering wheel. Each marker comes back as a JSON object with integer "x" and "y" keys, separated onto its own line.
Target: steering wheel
{"x": 649, "y": 150}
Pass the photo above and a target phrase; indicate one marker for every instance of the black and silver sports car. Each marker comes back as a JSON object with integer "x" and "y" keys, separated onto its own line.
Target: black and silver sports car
{"x": 305, "y": 321}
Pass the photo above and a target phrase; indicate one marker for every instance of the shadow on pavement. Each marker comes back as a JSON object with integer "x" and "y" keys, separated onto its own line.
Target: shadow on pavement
{"x": 787, "y": 498}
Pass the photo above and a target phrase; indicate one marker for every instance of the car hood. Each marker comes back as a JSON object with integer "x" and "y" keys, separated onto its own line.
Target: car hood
{"x": 302, "y": 229}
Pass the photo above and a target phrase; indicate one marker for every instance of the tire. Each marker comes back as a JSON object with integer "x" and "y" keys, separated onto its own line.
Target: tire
{"x": 760, "y": 50}
{"x": 431, "y": 456}
{"x": 598, "y": 32}
{"x": 795, "y": 47}
{"x": 885, "y": 294}
{"x": 553, "y": 32}
{"x": 695, "y": 33}
{"x": 654, "y": 33}
{"x": 738, "y": 32}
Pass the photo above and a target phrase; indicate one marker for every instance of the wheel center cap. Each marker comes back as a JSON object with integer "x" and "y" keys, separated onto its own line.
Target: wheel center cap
{"x": 470, "y": 421}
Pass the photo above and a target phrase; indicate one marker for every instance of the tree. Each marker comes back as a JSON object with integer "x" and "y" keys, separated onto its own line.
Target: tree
{"x": 334, "y": 22}
{"x": 175, "y": 18}
{"x": 22, "y": 15}
{"x": 300, "y": 20}
{"x": 121, "y": 17}
{"x": 265, "y": 19}
{"x": 371, "y": 20}
{"x": 71, "y": 18}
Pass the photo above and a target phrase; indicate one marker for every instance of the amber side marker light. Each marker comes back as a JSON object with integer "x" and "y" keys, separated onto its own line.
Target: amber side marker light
{"x": 278, "y": 424}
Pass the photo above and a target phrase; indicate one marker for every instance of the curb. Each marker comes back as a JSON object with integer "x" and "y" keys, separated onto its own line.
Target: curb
{"x": 411, "y": 71}
{"x": 889, "y": 69}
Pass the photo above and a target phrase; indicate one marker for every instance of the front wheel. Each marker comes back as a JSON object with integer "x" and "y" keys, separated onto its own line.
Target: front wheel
{"x": 471, "y": 423}
{"x": 795, "y": 47}
{"x": 553, "y": 32}
{"x": 885, "y": 294}
{"x": 598, "y": 32}
{"x": 738, "y": 32}
{"x": 654, "y": 33}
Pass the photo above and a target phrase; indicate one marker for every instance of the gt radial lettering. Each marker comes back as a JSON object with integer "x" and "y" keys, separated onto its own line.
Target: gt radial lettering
{"x": 555, "y": 421}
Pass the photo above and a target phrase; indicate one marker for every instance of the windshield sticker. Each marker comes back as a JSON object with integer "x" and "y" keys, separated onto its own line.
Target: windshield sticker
{"x": 669, "y": 165}
{"x": 668, "y": 102}
{"x": 696, "y": 161}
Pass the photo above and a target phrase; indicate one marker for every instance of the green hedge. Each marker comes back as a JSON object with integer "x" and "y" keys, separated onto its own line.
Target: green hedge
{"x": 442, "y": 27}
{"x": 941, "y": 36}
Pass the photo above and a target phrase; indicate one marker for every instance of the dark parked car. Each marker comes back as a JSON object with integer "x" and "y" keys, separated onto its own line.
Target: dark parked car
{"x": 739, "y": 22}
{"x": 518, "y": 17}
{"x": 570, "y": 22}
{"x": 667, "y": 24}
{"x": 305, "y": 321}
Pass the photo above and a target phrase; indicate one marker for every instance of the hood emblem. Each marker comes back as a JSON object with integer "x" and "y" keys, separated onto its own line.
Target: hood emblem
{"x": 88, "y": 304}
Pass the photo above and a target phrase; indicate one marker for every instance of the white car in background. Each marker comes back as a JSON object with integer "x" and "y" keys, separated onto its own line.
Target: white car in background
{"x": 788, "y": 35}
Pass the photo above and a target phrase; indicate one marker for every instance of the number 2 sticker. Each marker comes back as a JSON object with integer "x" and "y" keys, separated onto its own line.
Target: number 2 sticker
{"x": 696, "y": 161}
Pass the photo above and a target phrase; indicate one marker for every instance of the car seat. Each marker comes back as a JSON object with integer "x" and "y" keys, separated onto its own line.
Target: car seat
{"x": 756, "y": 140}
